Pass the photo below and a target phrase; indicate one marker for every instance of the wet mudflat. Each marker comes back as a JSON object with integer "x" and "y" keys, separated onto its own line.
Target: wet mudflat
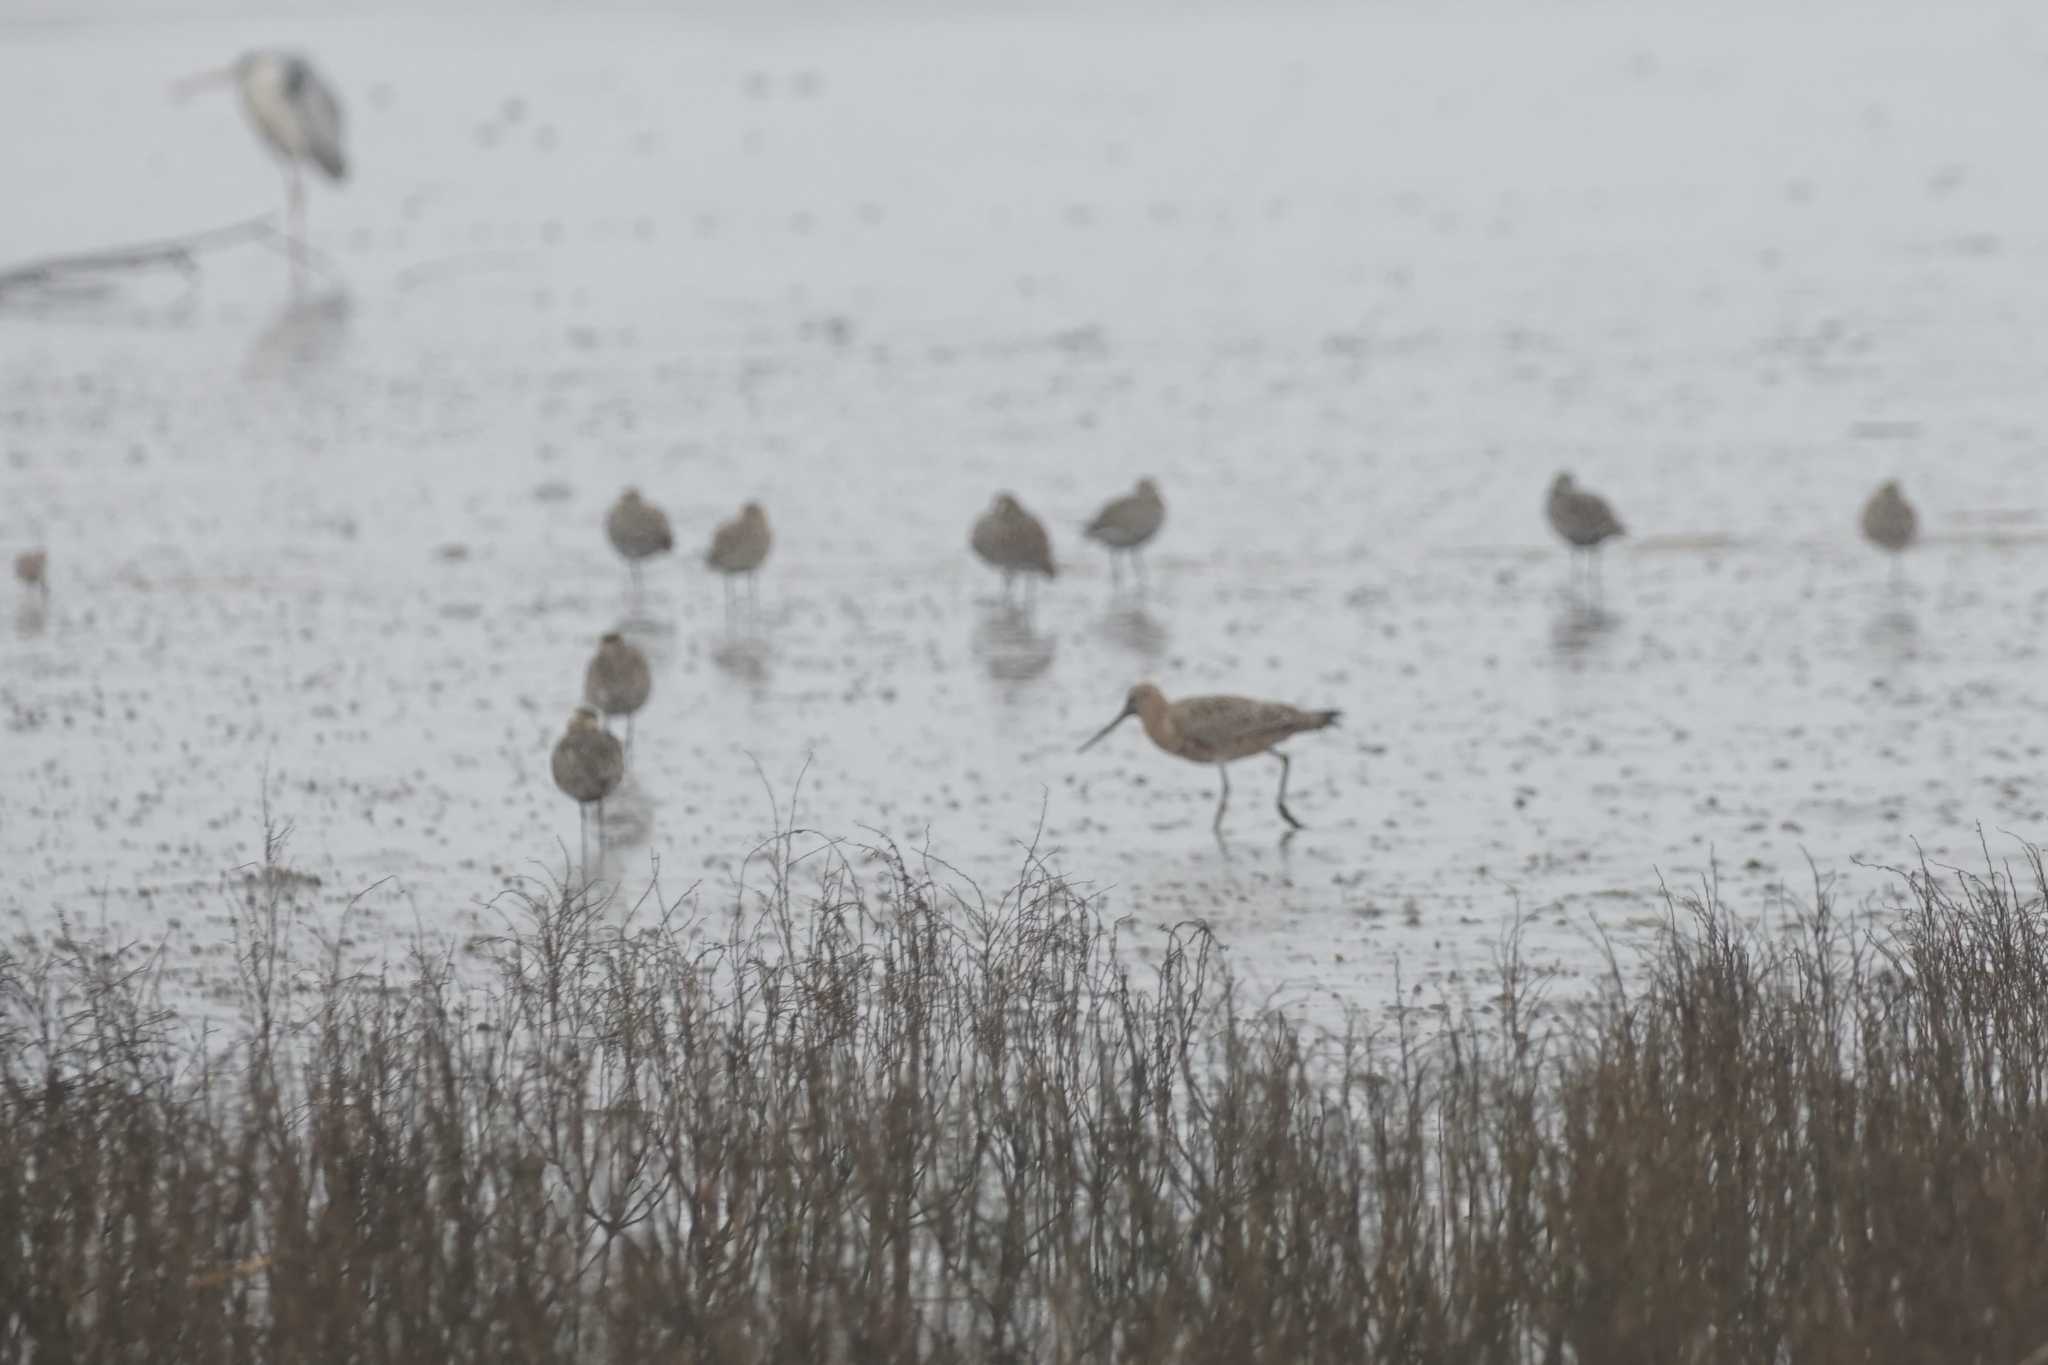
{"x": 1351, "y": 288}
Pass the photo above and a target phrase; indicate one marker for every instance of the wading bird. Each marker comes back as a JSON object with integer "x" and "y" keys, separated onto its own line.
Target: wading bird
{"x": 638, "y": 530}
{"x": 296, "y": 114}
{"x": 588, "y": 764}
{"x": 1583, "y": 519}
{"x": 32, "y": 567}
{"x": 1889, "y": 522}
{"x": 618, "y": 680}
{"x": 1012, "y": 541}
{"x": 739, "y": 547}
{"x": 1126, "y": 524}
{"x": 1219, "y": 730}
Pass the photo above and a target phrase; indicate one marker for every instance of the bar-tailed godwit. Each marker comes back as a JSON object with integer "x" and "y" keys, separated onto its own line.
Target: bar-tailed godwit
{"x": 1012, "y": 541}
{"x": 588, "y": 764}
{"x": 618, "y": 680}
{"x": 1583, "y": 519}
{"x": 638, "y": 530}
{"x": 739, "y": 547}
{"x": 1219, "y": 730}
{"x": 1889, "y": 522}
{"x": 32, "y": 567}
{"x": 1127, "y": 523}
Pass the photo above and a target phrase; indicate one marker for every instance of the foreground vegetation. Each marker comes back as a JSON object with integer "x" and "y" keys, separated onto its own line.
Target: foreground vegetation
{"x": 879, "y": 1122}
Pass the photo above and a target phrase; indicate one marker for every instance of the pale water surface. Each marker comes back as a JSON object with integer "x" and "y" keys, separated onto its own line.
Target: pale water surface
{"x": 1352, "y": 288}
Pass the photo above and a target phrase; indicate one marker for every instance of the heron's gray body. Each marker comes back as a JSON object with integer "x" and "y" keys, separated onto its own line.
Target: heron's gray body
{"x": 293, "y": 110}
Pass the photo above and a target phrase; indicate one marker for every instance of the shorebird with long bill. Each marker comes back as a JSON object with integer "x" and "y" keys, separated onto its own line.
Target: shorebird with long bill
{"x": 1219, "y": 730}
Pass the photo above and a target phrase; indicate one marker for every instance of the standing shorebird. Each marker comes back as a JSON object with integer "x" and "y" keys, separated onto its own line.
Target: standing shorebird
{"x": 588, "y": 764}
{"x": 1012, "y": 541}
{"x": 298, "y": 117}
{"x": 618, "y": 680}
{"x": 1219, "y": 730}
{"x": 638, "y": 530}
{"x": 32, "y": 567}
{"x": 1127, "y": 524}
{"x": 1890, "y": 523}
{"x": 1583, "y": 519}
{"x": 739, "y": 547}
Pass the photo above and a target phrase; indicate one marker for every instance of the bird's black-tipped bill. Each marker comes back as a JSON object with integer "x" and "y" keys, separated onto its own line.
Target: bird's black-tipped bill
{"x": 1121, "y": 717}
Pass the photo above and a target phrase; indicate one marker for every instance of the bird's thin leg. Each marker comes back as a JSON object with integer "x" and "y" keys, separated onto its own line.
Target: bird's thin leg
{"x": 629, "y": 732}
{"x": 1281, "y": 800}
{"x": 633, "y": 567}
{"x": 583, "y": 840}
{"x": 1116, "y": 571}
{"x": 1138, "y": 565}
{"x": 1898, "y": 571}
{"x": 600, "y": 828}
{"x": 295, "y": 197}
{"x": 1223, "y": 801}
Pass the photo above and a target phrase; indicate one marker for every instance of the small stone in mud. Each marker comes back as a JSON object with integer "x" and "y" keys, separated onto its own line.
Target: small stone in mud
{"x": 454, "y": 552}
{"x": 554, "y": 490}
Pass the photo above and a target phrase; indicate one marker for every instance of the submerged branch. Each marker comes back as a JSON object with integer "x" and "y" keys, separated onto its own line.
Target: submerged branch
{"x": 176, "y": 253}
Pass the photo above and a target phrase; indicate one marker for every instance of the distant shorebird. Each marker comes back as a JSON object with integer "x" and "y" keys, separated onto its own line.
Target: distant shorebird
{"x": 1012, "y": 541}
{"x": 1583, "y": 519}
{"x": 32, "y": 567}
{"x": 1889, "y": 522}
{"x": 1219, "y": 730}
{"x": 638, "y": 530}
{"x": 296, "y": 114}
{"x": 739, "y": 547}
{"x": 618, "y": 680}
{"x": 1126, "y": 524}
{"x": 588, "y": 764}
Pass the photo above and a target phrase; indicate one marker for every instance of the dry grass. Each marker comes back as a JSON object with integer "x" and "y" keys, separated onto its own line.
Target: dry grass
{"x": 879, "y": 1123}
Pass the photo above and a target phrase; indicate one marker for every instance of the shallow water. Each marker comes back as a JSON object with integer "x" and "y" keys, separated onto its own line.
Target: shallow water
{"x": 1351, "y": 288}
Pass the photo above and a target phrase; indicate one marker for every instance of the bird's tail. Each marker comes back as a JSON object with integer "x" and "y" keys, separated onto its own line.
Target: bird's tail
{"x": 1325, "y": 719}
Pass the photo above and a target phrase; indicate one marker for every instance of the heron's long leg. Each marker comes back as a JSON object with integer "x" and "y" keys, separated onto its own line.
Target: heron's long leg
{"x": 1281, "y": 800}
{"x": 1223, "y": 801}
{"x": 295, "y": 195}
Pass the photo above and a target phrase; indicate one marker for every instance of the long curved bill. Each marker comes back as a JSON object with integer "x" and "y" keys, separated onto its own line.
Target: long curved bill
{"x": 192, "y": 85}
{"x": 1121, "y": 717}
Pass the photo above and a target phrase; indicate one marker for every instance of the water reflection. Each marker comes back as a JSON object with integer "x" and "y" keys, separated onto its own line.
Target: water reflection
{"x": 1134, "y": 628}
{"x": 1010, "y": 645}
{"x": 304, "y": 335}
{"x": 1893, "y": 634}
{"x": 744, "y": 660}
{"x": 32, "y": 617}
{"x": 1579, "y": 628}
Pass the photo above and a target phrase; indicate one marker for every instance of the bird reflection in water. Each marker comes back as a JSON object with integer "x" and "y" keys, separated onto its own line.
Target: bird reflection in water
{"x": 1011, "y": 646}
{"x": 1135, "y": 629}
{"x": 1579, "y": 628}
{"x": 307, "y": 334}
{"x": 745, "y": 660}
{"x": 1893, "y": 634}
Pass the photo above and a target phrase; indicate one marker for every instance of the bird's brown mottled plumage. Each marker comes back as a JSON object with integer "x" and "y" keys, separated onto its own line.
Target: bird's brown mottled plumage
{"x": 740, "y": 545}
{"x": 1219, "y": 730}
{"x": 1011, "y": 540}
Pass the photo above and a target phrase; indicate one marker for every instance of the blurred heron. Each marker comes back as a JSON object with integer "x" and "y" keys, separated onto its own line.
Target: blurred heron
{"x": 296, "y": 114}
